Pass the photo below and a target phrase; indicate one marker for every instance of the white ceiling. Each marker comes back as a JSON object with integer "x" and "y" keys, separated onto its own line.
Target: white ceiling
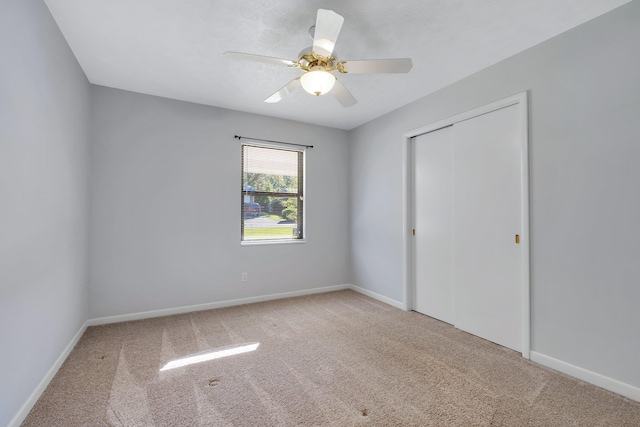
{"x": 174, "y": 48}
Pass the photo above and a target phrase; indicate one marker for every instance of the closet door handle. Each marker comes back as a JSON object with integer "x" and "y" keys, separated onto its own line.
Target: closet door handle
{"x": 517, "y": 239}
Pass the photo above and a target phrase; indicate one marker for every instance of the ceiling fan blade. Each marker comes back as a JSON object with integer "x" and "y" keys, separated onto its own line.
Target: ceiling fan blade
{"x": 258, "y": 58}
{"x": 284, "y": 91}
{"x": 328, "y": 25}
{"x": 398, "y": 65}
{"x": 343, "y": 96}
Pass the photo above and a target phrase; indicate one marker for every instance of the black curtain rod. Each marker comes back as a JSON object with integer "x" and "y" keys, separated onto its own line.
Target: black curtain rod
{"x": 268, "y": 140}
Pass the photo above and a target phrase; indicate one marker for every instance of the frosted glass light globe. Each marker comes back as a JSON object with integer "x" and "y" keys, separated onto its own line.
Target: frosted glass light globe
{"x": 317, "y": 82}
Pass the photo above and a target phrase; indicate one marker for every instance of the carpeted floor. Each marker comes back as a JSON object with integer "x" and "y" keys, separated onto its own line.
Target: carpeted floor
{"x": 335, "y": 359}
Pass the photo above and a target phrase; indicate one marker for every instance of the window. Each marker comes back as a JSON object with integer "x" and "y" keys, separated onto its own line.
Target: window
{"x": 272, "y": 193}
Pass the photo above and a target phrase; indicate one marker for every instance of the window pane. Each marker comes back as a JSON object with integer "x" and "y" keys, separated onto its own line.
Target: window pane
{"x": 275, "y": 218}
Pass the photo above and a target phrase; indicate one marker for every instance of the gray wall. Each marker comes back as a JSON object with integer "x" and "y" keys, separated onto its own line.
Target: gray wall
{"x": 165, "y": 206}
{"x": 585, "y": 150}
{"x": 44, "y": 103}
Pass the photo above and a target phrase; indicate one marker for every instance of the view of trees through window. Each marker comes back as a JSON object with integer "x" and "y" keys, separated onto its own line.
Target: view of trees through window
{"x": 271, "y": 193}
{"x": 286, "y": 207}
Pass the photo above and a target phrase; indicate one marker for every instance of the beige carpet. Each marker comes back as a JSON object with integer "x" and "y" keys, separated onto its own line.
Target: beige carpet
{"x": 336, "y": 359}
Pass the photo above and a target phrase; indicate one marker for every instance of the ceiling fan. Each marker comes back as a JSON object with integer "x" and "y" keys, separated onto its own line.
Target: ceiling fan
{"x": 318, "y": 62}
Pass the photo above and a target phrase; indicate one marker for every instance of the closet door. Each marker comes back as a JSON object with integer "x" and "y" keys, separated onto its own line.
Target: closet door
{"x": 433, "y": 222}
{"x": 487, "y": 217}
{"x": 467, "y": 212}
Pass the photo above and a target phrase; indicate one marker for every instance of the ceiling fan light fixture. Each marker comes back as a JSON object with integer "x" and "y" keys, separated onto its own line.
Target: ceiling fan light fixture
{"x": 319, "y": 60}
{"x": 317, "y": 81}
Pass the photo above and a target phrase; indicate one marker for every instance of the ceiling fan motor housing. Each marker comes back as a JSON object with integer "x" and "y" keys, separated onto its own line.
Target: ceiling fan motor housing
{"x": 308, "y": 59}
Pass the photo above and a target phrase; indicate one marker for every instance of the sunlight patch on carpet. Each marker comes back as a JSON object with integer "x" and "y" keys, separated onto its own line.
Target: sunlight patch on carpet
{"x": 211, "y": 355}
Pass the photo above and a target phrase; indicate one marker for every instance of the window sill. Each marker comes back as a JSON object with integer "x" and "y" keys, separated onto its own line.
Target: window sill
{"x": 271, "y": 242}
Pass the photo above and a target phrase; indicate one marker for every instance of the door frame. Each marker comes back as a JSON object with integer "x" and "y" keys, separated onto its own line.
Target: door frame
{"x": 521, "y": 100}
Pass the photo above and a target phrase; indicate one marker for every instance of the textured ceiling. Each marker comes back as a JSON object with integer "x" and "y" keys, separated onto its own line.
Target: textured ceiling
{"x": 174, "y": 48}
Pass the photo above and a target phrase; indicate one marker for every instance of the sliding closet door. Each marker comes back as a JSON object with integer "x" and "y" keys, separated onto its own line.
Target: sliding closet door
{"x": 467, "y": 212}
{"x": 487, "y": 216}
{"x": 433, "y": 222}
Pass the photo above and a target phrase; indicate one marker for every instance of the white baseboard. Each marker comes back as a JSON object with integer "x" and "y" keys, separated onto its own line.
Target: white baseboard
{"x": 211, "y": 305}
{"x": 240, "y": 301}
{"x": 624, "y": 389}
{"x": 382, "y": 298}
{"x": 31, "y": 401}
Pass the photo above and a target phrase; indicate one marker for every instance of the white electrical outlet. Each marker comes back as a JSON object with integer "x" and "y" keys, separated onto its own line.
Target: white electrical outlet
{"x": 245, "y": 277}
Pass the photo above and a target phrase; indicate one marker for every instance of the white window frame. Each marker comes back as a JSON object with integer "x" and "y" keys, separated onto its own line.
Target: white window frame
{"x": 277, "y": 146}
